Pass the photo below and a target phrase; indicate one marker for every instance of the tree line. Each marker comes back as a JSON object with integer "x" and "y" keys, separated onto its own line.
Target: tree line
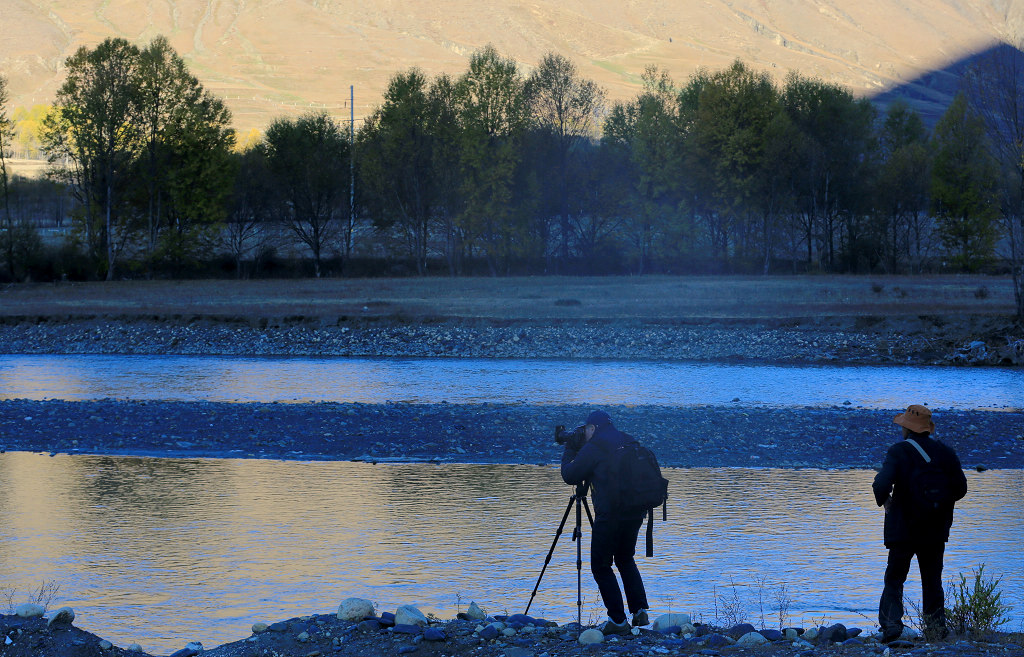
{"x": 502, "y": 172}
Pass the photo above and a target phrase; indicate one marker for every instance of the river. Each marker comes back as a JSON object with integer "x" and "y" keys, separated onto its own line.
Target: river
{"x": 165, "y": 551}
{"x": 433, "y": 380}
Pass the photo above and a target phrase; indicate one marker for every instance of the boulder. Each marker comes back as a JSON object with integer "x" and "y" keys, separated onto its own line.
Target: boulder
{"x": 259, "y": 628}
{"x": 475, "y": 612}
{"x": 355, "y": 609}
{"x": 134, "y": 647}
{"x": 751, "y": 640}
{"x": 29, "y": 610}
{"x": 434, "y": 634}
{"x": 810, "y": 634}
{"x": 668, "y": 620}
{"x": 63, "y": 617}
{"x": 772, "y": 635}
{"x": 409, "y": 615}
{"x": 833, "y": 634}
{"x": 740, "y": 630}
{"x": 791, "y": 634}
{"x": 591, "y": 637}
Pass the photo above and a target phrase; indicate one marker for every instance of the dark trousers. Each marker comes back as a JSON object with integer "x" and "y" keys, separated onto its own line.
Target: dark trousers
{"x": 890, "y": 607}
{"x": 614, "y": 542}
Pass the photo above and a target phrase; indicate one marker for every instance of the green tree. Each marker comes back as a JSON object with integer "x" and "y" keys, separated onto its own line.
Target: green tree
{"x": 646, "y": 131}
{"x": 6, "y": 140}
{"x": 564, "y": 108}
{"x": 492, "y": 115}
{"x": 964, "y": 189}
{"x": 836, "y": 131}
{"x": 396, "y": 163}
{"x": 728, "y": 136}
{"x": 305, "y": 156}
{"x": 94, "y": 127}
{"x": 901, "y": 188}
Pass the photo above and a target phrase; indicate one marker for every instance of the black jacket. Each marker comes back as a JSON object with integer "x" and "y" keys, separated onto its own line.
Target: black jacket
{"x": 593, "y": 463}
{"x": 901, "y": 524}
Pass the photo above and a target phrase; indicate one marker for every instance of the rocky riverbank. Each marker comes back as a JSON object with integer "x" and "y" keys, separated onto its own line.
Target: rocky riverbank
{"x": 358, "y": 631}
{"x": 865, "y": 341}
{"x": 838, "y": 437}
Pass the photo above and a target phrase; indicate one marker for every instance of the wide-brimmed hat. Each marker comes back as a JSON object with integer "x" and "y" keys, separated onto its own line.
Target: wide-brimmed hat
{"x": 917, "y": 418}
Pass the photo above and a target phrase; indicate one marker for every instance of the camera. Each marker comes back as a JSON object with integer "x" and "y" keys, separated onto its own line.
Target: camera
{"x": 573, "y": 438}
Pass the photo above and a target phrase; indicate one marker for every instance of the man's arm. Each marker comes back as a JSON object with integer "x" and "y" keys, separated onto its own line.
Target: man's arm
{"x": 577, "y": 467}
{"x": 957, "y": 478}
{"x": 882, "y": 485}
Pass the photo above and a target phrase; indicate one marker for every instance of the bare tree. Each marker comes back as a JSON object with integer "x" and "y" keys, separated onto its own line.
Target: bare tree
{"x": 6, "y": 138}
{"x": 995, "y": 86}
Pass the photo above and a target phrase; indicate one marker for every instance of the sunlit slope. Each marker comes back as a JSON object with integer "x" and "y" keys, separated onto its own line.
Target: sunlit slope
{"x": 275, "y": 57}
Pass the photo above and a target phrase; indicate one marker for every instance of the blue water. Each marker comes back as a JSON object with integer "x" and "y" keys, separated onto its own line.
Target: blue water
{"x": 432, "y": 380}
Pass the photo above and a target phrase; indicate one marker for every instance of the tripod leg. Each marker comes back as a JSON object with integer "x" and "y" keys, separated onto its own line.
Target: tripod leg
{"x": 589, "y": 516}
{"x": 577, "y": 534}
{"x": 547, "y": 559}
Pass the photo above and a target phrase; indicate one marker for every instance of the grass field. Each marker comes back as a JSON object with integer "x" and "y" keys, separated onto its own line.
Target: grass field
{"x": 643, "y": 299}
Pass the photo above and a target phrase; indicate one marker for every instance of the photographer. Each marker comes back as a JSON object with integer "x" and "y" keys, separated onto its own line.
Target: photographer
{"x": 587, "y": 458}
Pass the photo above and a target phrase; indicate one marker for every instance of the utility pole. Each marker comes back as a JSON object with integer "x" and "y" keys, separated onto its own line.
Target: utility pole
{"x": 351, "y": 166}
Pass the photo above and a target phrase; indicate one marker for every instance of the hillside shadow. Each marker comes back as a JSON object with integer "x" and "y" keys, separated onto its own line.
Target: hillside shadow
{"x": 931, "y": 93}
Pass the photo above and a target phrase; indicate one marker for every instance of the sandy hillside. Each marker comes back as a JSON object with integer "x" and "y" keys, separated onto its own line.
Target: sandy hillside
{"x": 271, "y": 58}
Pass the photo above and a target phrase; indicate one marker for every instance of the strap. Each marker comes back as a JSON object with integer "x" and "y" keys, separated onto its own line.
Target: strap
{"x": 924, "y": 454}
{"x": 650, "y": 532}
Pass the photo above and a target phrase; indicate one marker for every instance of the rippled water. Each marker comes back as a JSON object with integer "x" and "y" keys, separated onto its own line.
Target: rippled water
{"x": 164, "y": 551}
{"x": 426, "y": 380}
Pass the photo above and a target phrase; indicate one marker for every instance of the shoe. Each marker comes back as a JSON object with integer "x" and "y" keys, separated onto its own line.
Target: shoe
{"x": 611, "y": 627}
{"x": 891, "y": 634}
{"x": 640, "y": 618}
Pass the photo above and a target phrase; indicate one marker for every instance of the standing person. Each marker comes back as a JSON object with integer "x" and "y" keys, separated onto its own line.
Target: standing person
{"x": 918, "y": 484}
{"x": 615, "y": 531}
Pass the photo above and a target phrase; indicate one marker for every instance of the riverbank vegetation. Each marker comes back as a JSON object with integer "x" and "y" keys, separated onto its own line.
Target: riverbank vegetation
{"x": 499, "y": 172}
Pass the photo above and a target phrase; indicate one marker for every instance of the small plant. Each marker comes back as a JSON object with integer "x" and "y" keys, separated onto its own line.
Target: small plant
{"x": 43, "y": 595}
{"x": 729, "y": 608}
{"x": 977, "y": 607}
{"x": 782, "y": 604}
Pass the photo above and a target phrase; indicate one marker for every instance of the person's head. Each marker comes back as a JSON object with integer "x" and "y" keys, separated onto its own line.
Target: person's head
{"x": 595, "y": 421}
{"x": 916, "y": 419}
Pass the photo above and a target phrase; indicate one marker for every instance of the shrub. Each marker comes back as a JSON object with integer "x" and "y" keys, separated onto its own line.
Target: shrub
{"x": 977, "y": 608}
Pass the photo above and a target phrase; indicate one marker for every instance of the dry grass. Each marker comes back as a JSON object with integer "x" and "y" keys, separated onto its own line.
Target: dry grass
{"x": 646, "y": 299}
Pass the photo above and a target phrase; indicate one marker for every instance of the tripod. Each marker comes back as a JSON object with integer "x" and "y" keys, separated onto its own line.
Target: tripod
{"x": 579, "y": 498}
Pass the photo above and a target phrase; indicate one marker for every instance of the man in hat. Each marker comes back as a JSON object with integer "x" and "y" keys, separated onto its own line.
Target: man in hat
{"x": 615, "y": 532}
{"x": 918, "y": 484}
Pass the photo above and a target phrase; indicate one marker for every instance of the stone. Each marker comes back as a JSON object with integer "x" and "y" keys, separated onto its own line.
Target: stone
{"x": 405, "y": 628}
{"x": 302, "y": 637}
{"x": 790, "y": 634}
{"x": 772, "y": 635}
{"x": 590, "y": 637}
{"x": 833, "y": 634}
{"x": 368, "y": 625}
{"x": 509, "y": 631}
{"x": 106, "y": 645}
{"x": 489, "y": 632}
{"x": 62, "y": 617}
{"x": 740, "y": 630}
{"x": 475, "y": 612}
{"x": 387, "y": 618}
{"x": 29, "y": 610}
{"x": 669, "y": 620}
{"x": 434, "y": 634}
{"x": 190, "y": 650}
{"x": 671, "y": 629}
{"x": 516, "y": 651}
{"x": 717, "y": 641}
{"x": 355, "y": 609}
{"x": 810, "y": 634}
{"x": 134, "y": 647}
{"x": 751, "y": 640}
{"x": 259, "y": 628}
{"x": 405, "y": 650}
{"x": 909, "y": 634}
{"x": 280, "y": 626}
{"x": 409, "y": 615}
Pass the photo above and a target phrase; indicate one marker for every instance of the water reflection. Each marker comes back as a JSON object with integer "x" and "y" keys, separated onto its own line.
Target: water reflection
{"x": 162, "y": 551}
{"x": 426, "y": 380}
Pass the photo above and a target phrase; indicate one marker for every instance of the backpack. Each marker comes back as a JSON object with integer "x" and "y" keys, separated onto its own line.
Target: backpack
{"x": 638, "y": 484}
{"x": 929, "y": 489}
